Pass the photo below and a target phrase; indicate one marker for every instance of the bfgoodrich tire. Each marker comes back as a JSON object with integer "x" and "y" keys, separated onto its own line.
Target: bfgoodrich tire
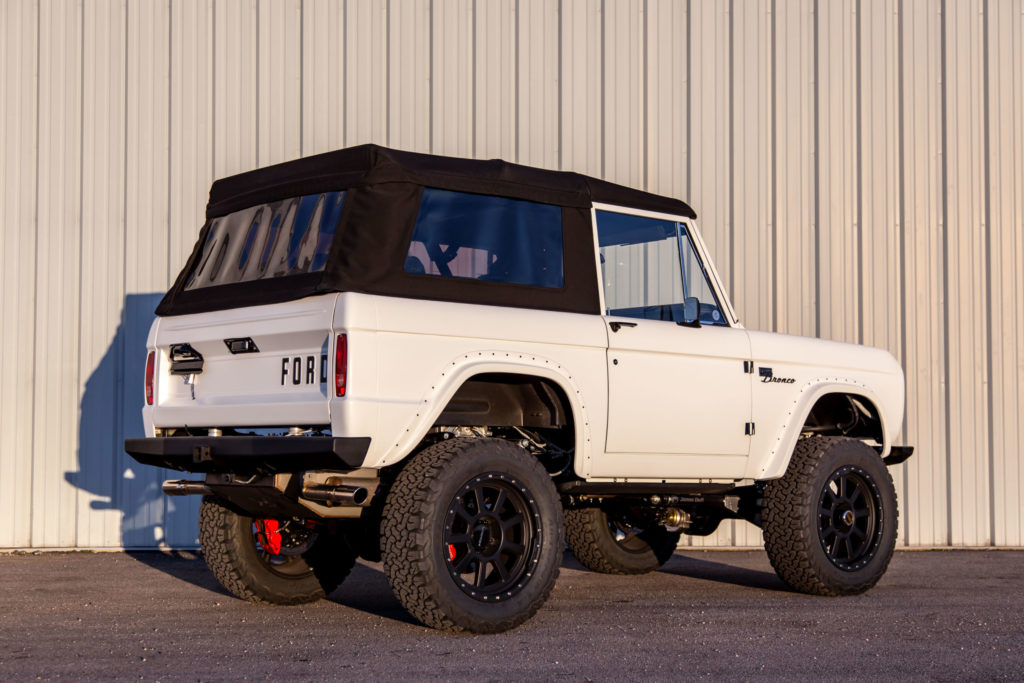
{"x": 308, "y": 565}
{"x": 472, "y": 536}
{"x": 611, "y": 542}
{"x": 830, "y": 522}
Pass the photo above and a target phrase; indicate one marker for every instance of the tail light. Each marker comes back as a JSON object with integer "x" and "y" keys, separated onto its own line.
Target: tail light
{"x": 150, "y": 367}
{"x": 340, "y": 365}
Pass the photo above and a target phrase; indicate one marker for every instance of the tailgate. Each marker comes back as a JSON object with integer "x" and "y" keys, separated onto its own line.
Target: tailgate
{"x": 260, "y": 366}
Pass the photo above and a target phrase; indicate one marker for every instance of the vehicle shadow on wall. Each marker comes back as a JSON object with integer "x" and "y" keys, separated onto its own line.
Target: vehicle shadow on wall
{"x": 130, "y": 509}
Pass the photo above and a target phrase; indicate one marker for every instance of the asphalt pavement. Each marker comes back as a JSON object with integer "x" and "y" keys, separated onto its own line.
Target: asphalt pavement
{"x": 947, "y": 615}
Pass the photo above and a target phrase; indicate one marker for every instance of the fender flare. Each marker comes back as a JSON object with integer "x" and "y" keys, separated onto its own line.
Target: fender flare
{"x": 775, "y": 464}
{"x": 466, "y": 366}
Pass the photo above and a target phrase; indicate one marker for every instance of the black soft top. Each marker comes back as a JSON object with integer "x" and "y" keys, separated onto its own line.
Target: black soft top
{"x": 373, "y": 164}
{"x": 383, "y": 191}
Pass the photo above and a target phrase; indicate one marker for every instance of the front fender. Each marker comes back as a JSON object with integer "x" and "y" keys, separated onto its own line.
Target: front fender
{"x": 777, "y": 449}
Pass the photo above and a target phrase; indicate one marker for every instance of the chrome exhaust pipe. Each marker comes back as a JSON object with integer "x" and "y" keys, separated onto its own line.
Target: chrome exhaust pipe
{"x": 336, "y": 495}
{"x": 184, "y": 487}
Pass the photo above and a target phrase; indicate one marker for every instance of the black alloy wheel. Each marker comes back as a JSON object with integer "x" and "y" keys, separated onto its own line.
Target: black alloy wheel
{"x": 848, "y": 518}
{"x": 490, "y": 537}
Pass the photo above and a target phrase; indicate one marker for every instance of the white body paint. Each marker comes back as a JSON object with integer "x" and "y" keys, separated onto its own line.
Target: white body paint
{"x": 652, "y": 402}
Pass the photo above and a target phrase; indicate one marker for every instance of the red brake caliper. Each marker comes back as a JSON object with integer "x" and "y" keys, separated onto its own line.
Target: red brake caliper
{"x": 268, "y": 535}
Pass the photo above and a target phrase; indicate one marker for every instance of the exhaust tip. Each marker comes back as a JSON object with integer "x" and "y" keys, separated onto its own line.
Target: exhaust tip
{"x": 337, "y": 495}
{"x": 359, "y": 495}
{"x": 184, "y": 487}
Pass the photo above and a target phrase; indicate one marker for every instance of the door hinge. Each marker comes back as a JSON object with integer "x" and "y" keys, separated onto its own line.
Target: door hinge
{"x": 749, "y": 431}
{"x": 748, "y": 367}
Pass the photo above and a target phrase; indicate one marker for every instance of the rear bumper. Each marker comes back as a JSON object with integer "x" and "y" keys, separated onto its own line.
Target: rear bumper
{"x": 249, "y": 454}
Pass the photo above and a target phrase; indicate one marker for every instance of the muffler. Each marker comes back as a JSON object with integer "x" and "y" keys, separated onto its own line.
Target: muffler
{"x": 184, "y": 487}
{"x": 336, "y": 495}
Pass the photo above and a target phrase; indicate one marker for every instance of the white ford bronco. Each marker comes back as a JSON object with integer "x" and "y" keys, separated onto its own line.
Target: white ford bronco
{"x": 457, "y": 367}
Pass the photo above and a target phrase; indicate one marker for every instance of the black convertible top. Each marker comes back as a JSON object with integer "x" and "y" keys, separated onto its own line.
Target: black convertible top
{"x": 373, "y": 164}
{"x": 383, "y": 188}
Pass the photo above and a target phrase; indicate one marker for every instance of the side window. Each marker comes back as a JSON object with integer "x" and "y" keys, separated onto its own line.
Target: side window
{"x": 289, "y": 237}
{"x": 649, "y": 267}
{"x": 481, "y": 237}
{"x": 695, "y": 281}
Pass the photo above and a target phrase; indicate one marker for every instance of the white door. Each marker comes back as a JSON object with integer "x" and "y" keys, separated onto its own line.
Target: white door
{"x": 679, "y": 395}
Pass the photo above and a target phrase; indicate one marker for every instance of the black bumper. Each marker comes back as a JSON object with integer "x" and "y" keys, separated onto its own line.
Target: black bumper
{"x": 898, "y": 454}
{"x": 249, "y": 454}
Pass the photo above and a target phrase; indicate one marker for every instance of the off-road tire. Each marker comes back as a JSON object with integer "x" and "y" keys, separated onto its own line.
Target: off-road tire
{"x": 591, "y": 537}
{"x": 798, "y": 528}
{"x": 420, "y": 555}
{"x": 231, "y": 553}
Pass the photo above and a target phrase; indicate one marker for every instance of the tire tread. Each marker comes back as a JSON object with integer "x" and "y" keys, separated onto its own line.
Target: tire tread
{"x": 587, "y": 537}
{"x": 788, "y": 540}
{"x": 405, "y": 538}
{"x": 220, "y": 543}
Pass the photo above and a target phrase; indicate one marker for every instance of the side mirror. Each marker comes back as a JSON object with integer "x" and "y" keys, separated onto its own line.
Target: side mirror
{"x": 691, "y": 312}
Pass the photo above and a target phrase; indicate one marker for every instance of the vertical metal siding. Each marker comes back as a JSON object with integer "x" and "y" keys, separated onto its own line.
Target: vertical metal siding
{"x": 880, "y": 269}
{"x": 323, "y": 76}
{"x": 582, "y": 115}
{"x": 279, "y": 66}
{"x": 794, "y": 167}
{"x": 1004, "y": 100}
{"x": 495, "y": 80}
{"x": 453, "y": 116}
{"x": 925, "y": 512}
{"x": 858, "y": 168}
{"x": 667, "y": 97}
{"x": 538, "y": 83}
{"x": 622, "y": 64}
{"x": 101, "y": 257}
{"x": 366, "y": 65}
{"x": 19, "y": 172}
{"x": 56, "y": 355}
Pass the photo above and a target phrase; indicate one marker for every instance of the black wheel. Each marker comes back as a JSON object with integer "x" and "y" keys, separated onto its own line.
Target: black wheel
{"x": 280, "y": 562}
{"x": 472, "y": 535}
{"x": 830, "y": 522}
{"x": 614, "y": 541}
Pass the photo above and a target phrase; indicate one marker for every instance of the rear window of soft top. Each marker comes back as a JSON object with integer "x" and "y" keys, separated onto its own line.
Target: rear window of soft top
{"x": 289, "y": 237}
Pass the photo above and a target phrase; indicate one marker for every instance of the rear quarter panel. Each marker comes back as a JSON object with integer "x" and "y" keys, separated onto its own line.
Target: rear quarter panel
{"x": 407, "y": 358}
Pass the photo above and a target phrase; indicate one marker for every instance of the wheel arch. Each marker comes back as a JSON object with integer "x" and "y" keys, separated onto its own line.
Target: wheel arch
{"x": 485, "y": 367}
{"x": 815, "y": 407}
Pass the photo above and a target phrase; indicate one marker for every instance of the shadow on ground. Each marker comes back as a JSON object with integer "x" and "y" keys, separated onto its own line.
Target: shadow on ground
{"x": 186, "y": 566}
{"x": 721, "y": 572}
{"x": 366, "y": 589}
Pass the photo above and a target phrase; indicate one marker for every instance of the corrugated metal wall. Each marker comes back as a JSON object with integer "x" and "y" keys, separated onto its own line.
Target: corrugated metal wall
{"x": 858, "y": 168}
